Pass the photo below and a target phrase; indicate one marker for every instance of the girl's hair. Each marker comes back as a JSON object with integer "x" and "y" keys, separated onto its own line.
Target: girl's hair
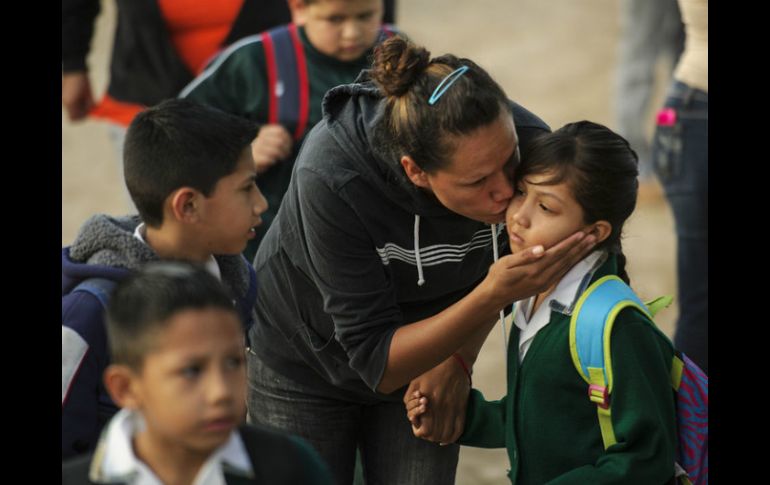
{"x": 598, "y": 165}
{"x": 407, "y": 77}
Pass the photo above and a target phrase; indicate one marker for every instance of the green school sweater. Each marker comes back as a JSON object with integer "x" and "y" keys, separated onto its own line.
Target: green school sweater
{"x": 551, "y": 429}
{"x": 239, "y": 85}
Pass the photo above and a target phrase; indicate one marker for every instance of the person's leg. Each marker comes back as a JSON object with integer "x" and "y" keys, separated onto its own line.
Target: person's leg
{"x": 391, "y": 454}
{"x": 650, "y": 29}
{"x": 330, "y": 426}
{"x": 681, "y": 161}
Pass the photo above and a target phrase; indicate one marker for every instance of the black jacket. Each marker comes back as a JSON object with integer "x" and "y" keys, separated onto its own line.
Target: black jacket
{"x": 338, "y": 272}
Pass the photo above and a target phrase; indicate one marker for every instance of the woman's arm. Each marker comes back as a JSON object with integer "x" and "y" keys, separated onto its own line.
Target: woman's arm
{"x": 421, "y": 345}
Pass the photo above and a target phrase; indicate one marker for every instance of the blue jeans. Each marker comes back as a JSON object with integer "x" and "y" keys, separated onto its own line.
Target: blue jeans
{"x": 390, "y": 454}
{"x": 680, "y": 155}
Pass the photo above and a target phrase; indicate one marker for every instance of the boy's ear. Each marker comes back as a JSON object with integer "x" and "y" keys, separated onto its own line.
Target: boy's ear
{"x": 121, "y": 383}
{"x": 414, "y": 172}
{"x": 601, "y": 230}
{"x": 185, "y": 204}
{"x": 297, "y": 9}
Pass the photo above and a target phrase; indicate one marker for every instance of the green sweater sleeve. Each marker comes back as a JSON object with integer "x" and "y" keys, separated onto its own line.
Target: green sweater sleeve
{"x": 484, "y": 422}
{"x": 235, "y": 82}
{"x": 643, "y": 414}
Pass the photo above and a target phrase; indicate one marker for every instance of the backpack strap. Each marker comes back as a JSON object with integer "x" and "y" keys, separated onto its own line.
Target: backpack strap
{"x": 589, "y": 340}
{"x": 101, "y": 288}
{"x": 287, "y": 78}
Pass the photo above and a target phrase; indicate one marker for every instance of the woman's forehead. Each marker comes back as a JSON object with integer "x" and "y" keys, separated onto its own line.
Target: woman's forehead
{"x": 489, "y": 146}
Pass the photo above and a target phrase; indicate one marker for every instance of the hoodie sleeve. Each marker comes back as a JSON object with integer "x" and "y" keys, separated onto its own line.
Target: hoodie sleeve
{"x": 77, "y": 27}
{"x": 344, "y": 265}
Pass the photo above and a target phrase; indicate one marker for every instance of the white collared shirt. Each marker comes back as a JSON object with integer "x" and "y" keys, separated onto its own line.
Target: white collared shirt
{"x": 114, "y": 459}
{"x": 565, "y": 294}
{"x": 211, "y": 265}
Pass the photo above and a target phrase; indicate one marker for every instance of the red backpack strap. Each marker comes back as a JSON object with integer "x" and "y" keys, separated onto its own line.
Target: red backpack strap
{"x": 287, "y": 78}
{"x": 272, "y": 77}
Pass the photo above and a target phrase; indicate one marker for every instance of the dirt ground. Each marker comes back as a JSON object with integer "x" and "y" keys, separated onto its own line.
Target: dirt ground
{"x": 557, "y": 58}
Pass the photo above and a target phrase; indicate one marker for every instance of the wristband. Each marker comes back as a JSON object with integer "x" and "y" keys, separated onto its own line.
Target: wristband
{"x": 464, "y": 366}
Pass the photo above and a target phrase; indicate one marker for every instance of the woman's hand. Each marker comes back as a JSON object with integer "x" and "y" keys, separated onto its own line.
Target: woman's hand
{"x": 531, "y": 271}
{"x": 447, "y": 388}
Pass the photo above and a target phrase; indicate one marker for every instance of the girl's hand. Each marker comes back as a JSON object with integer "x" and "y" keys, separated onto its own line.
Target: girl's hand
{"x": 416, "y": 405}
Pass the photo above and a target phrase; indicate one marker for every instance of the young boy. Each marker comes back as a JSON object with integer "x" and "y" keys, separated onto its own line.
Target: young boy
{"x": 191, "y": 175}
{"x": 178, "y": 373}
{"x": 249, "y": 79}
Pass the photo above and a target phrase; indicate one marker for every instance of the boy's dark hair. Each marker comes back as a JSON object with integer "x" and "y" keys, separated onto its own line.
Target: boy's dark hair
{"x": 180, "y": 143}
{"x": 143, "y": 303}
{"x": 407, "y": 77}
{"x": 599, "y": 166}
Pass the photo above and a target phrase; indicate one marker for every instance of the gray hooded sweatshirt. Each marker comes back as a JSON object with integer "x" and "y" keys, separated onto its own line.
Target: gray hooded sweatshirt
{"x": 358, "y": 251}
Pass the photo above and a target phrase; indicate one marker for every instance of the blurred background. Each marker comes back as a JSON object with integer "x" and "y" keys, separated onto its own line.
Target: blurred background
{"x": 557, "y": 58}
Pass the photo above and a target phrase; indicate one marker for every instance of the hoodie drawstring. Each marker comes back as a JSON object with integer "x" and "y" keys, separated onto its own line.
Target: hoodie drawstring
{"x": 496, "y": 256}
{"x": 420, "y": 277}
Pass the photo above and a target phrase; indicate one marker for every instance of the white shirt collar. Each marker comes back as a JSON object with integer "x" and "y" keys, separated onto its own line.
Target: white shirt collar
{"x": 115, "y": 461}
{"x": 562, "y": 298}
{"x": 211, "y": 265}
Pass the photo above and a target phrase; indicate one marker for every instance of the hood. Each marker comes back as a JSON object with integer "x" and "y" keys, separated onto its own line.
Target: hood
{"x": 105, "y": 247}
{"x": 351, "y": 112}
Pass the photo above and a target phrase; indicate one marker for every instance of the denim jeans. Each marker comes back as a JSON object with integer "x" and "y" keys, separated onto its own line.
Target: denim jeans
{"x": 390, "y": 454}
{"x": 680, "y": 154}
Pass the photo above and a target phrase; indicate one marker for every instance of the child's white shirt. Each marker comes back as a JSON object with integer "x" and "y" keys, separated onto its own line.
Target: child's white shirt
{"x": 566, "y": 294}
{"x": 114, "y": 459}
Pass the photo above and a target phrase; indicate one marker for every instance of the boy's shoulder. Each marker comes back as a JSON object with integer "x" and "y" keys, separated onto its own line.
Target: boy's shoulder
{"x": 75, "y": 470}
{"x": 108, "y": 242}
{"x": 281, "y": 458}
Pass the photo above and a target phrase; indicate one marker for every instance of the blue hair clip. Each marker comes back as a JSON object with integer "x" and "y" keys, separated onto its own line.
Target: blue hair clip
{"x": 446, "y": 83}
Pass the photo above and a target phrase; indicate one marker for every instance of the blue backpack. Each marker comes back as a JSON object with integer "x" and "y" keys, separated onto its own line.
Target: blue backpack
{"x": 589, "y": 339}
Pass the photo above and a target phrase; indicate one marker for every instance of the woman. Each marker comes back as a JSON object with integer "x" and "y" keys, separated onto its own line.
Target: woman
{"x": 378, "y": 265}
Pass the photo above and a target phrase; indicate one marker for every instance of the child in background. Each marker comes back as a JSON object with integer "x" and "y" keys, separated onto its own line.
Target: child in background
{"x": 190, "y": 173}
{"x": 178, "y": 373}
{"x": 333, "y": 44}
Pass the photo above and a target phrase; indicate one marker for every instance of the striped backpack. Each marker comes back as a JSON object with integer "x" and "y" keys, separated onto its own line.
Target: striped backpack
{"x": 589, "y": 339}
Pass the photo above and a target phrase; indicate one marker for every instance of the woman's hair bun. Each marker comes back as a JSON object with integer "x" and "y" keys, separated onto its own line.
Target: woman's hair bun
{"x": 397, "y": 65}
